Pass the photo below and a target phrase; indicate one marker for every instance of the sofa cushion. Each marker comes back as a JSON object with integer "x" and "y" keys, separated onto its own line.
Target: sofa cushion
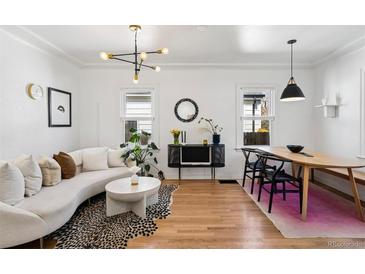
{"x": 51, "y": 171}
{"x": 95, "y": 159}
{"x": 12, "y": 186}
{"x": 68, "y": 166}
{"x": 115, "y": 157}
{"x": 31, "y": 172}
{"x": 56, "y": 204}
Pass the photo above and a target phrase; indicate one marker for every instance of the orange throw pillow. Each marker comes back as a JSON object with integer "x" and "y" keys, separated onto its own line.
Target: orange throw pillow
{"x": 68, "y": 166}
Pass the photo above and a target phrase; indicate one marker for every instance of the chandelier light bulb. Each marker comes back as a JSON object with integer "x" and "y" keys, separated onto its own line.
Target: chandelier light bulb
{"x": 135, "y": 78}
{"x": 164, "y": 51}
{"x": 143, "y": 56}
{"x": 105, "y": 56}
{"x": 157, "y": 68}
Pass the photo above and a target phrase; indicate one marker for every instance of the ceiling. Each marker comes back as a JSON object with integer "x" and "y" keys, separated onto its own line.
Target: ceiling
{"x": 196, "y": 44}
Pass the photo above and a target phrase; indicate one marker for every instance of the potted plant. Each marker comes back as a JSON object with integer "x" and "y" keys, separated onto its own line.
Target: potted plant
{"x": 143, "y": 154}
{"x": 213, "y": 128}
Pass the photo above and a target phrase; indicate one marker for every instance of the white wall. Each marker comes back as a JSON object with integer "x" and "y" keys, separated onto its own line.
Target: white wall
{"x": 214, "y": 92}
{"x": 341, "y": 135}
{"x": 24, "y": 122}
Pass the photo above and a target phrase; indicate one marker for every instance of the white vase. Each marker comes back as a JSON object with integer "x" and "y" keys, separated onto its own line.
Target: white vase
{"x": 134, "y": 179}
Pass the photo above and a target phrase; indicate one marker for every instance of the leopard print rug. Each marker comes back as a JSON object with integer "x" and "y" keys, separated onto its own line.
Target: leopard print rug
{"x": 90, "y": 228}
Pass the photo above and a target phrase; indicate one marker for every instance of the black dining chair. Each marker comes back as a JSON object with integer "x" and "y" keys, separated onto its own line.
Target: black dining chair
{"x": 277, "y": 177}
{"x": 253, "y": 167}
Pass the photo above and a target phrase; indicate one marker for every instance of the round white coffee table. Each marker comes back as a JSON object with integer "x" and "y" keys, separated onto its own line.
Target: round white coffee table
{"x": 121, "y": 196}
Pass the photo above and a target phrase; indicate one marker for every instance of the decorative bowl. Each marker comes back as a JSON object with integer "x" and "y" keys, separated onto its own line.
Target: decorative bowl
{"x": 295, "y": 148}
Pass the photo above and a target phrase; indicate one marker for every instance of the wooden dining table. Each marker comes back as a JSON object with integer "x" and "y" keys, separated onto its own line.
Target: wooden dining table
{"x": 311, "y": 160}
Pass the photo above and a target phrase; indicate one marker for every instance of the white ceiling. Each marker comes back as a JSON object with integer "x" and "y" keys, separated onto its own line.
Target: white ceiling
{"x": 196, "y": 44}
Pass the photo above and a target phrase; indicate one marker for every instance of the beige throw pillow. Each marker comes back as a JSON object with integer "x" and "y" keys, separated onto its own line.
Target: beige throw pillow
{"x": 31, "y": 172}
{"x": 51, "y": 171}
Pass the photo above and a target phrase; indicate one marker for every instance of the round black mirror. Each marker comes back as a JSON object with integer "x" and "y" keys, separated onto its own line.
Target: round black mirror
{"x": 186, "y": 110}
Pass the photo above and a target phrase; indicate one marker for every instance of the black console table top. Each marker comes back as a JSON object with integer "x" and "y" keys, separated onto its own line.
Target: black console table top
{"x": 195, "y": 145}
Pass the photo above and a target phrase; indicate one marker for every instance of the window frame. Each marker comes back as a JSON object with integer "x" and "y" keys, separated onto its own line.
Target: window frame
{"x": 361, "y": 155}
{"x": 240, "y": 116}
{"x": 155, "y": 137}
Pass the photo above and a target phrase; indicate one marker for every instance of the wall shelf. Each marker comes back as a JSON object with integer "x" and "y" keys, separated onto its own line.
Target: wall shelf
{"x": 329, "y": 109}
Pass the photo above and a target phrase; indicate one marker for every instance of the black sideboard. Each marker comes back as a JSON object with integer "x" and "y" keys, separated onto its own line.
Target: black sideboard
{"x": 196, "y": 156}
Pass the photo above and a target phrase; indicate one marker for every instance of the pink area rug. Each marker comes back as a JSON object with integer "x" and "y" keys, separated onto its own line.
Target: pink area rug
{"x": 328, "y": 215}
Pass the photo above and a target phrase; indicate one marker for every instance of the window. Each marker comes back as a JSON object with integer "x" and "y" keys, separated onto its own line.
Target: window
{"x": 255, "y": 107}
{"x": 139, "y": 112}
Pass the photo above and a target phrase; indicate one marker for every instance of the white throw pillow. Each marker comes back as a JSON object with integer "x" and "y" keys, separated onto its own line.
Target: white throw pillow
{"x": 76, "y": 156}
{"x": 51, "y": 171}
{"x": 95, "y": 158}
{"x": 12, "y": 184}
{"x": 31, "y": 172}
{"x": 115, "y": 157}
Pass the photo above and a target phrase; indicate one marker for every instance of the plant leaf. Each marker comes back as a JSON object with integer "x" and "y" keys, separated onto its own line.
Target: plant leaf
{"x": 153, "y": 146}
{"x": 145, "y": 133}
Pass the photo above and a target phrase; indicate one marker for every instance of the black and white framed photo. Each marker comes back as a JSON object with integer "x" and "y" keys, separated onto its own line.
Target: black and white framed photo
{"x": 59, "y": 108}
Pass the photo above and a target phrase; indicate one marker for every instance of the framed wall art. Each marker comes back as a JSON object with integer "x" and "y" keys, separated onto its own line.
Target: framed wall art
{"x": 59, "y": 108}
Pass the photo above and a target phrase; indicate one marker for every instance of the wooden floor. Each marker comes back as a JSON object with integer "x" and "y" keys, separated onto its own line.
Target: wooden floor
{"x": 206, "y": 214}
{"x": 213, "y": 215}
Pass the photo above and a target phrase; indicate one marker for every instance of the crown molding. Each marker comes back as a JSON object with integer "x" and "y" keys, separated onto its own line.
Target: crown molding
{"x": 35, "y": 41}
{"x": 347, "y": 49}
{"x": 202, "y": 65}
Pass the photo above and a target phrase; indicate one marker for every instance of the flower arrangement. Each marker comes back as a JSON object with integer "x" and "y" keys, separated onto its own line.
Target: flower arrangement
{"x": 175, "y": 133}
{"x": 213, "y": 128}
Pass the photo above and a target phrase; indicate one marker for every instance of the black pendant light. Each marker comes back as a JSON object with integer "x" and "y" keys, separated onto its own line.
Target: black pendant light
{"x": 292, "y": 92}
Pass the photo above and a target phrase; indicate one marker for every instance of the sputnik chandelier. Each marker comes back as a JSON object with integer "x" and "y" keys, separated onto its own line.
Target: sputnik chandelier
{"x": 139, "y": 57}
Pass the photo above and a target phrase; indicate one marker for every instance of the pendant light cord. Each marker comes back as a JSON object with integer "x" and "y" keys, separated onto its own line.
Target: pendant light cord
{"x": 291, "y": 60}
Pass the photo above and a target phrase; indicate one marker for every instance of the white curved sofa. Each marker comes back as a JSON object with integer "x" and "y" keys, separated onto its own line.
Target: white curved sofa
{"x": 45, "y": 212}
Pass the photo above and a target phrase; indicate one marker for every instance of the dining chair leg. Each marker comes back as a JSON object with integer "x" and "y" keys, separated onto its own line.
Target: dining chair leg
{"x": 284, "y": 191}
{"x": 260, "y": 189}
{"x": 244, "y": 176}
{"x": 253, "y": 181}
{"x": 273, "y": 187}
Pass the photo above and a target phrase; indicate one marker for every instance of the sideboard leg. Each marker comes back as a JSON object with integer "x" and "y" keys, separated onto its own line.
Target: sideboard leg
{"x": 179, "y": 173}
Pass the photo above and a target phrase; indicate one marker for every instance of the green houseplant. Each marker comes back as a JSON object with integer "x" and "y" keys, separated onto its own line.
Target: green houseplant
{"x": 143, "y": 154}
